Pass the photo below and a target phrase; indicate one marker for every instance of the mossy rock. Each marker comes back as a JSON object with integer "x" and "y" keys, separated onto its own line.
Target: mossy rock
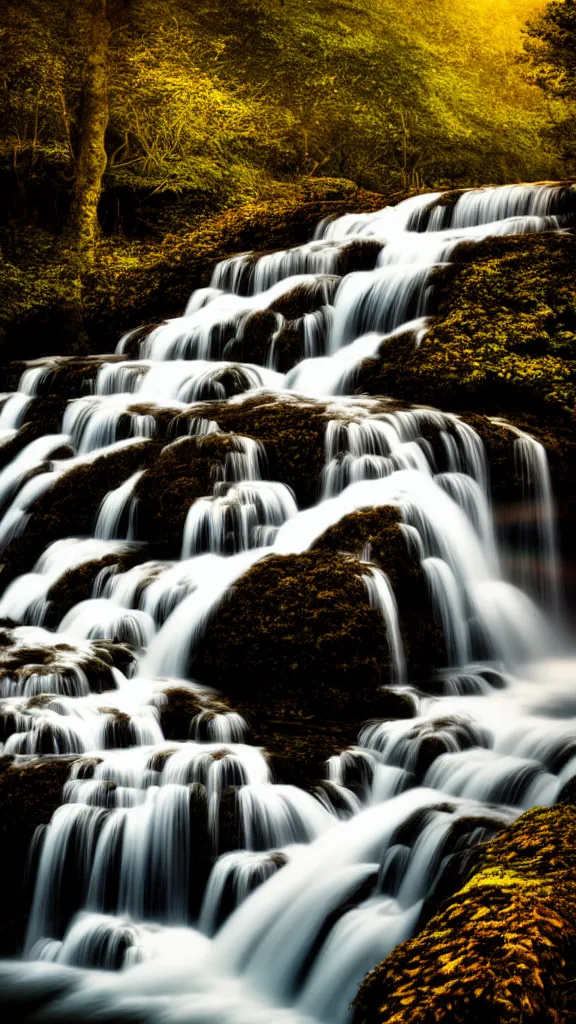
{"x": 183, "y": 471}
{"x": 255, "y": 337}
{"x": 503, "y": 949}
{"x": 503, "y": 337}
{"x": 27, "y": 433}
{"x": 299, "y": 742}
{"x": 375, "y": 532}
{"x": 305, "y": 298}
{"x": 182, "y": 706}
{"x": 76, "y": 584}
{"x": 291, "y": 430}
{"x": 19, "y": 661}
{"x": 297, "y": 631}
{"x": 67, "y": 377}
{"x": 361, "y": 254}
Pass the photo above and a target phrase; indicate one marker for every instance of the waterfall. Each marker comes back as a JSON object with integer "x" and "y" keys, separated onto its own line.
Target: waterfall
{"x": 182, "y": 876}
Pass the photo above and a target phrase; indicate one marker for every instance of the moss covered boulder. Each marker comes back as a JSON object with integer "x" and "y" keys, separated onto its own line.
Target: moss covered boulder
{"x": 292, "y": 431}
{"x": 503, "y": 949}
{"x": 298, "y": 630}
{"x": 375, "y": 533}
{"x": 503, "y": 337}
{"x": 184, "y": 471}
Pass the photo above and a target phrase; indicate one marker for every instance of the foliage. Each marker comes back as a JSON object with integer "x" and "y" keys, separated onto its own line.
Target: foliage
{"x": 550, "y": 56}
{"x": 223, "y": 101}
{"x": 551, "y": 46}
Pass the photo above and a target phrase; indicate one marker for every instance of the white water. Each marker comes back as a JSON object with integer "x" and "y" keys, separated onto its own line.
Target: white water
{"x": 178, "y": 880}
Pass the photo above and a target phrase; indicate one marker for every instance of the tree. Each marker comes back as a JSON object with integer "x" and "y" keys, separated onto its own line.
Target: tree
{"x": 91, "y": 158}
{"x": 550, "y": 60}
{"x": 551, "y": 49}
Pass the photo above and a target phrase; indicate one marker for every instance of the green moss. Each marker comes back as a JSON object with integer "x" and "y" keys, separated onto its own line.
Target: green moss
{"x": 503, "y": 949}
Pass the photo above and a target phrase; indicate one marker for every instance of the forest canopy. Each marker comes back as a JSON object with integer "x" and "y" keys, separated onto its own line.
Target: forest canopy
{"x": 226, "y": 102}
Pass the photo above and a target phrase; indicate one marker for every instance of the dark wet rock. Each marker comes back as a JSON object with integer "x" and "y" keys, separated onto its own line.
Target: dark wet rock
{"x": 361, "y": 254}
{"x": 119, "y": 730}
{"x": 567, "y": 794}
{"x": 132, "y": 342}
{"x": 76, "y": 584}
{"x": 27, "y": 433}
{"x": 306, "y": 298}
{"x": 22, "y": 665}
{"x": 254, "y": 337}
{"x": 291, "y": 430}
{"x": 503, "y": 949}
{"x": 182, "y": 706}
{"x": 205, "y": 846}
{"x": 289, "y": 346}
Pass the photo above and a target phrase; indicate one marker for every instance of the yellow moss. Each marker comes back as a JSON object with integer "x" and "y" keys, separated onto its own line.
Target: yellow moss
{"x": 504, "y": 948}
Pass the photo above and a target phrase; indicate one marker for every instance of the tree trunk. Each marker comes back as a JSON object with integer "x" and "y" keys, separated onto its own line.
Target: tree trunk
{"x": 91, "y": 158}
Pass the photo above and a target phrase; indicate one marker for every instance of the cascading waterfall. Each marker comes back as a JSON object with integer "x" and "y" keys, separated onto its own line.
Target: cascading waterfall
{"x": 197, "y": 886}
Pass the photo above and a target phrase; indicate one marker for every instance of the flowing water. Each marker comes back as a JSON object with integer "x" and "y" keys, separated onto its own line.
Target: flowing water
{"x": 141, "y": 910}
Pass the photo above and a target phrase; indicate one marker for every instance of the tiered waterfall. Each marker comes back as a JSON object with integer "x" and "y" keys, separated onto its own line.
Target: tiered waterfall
{"x": 324, "y": 883}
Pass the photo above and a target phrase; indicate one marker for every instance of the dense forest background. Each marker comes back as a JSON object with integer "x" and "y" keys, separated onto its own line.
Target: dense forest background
{"x": 146, "y": 117}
